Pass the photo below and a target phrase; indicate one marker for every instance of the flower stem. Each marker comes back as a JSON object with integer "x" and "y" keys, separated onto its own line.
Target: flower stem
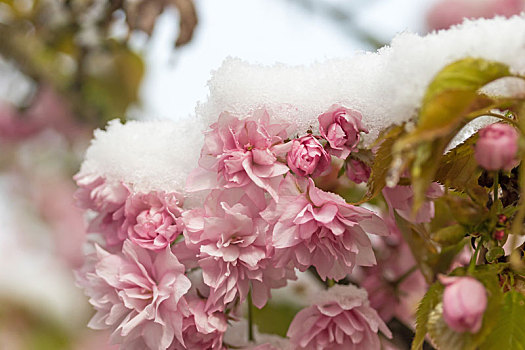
{"x": 474, "y": 257}
{"x": 496, "y": 187}
{"x": 404, "y": 276}
{"x": 250, "y": 316}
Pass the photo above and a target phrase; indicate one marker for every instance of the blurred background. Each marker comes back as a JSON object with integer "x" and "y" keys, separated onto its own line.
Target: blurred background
{"x": 69, "y": 66}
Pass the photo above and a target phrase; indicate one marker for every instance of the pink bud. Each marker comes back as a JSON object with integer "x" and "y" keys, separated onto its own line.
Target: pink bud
{"x": 497, "y": 147}
{"x": 499, "y": 234}
{"x": 357, "y": 171}
{"x": 308, "y": 157}
{"x": 464, "y": 302}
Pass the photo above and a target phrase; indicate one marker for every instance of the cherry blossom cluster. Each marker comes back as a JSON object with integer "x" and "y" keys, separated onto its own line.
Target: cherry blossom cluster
{"x": 168, "y": 276}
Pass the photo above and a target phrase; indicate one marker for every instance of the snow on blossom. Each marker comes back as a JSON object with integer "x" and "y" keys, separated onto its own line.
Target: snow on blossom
{"x": 137, "y": 294}
{"x": 341, "y": 318}
{"x": 147, "y": 155}
{"x": 313, "y": 227}
{"x": 246, "y": 154}
{"x": 152, "y": 220}
{"x": 232, "y": 249}
{"x": 299, "y": 94}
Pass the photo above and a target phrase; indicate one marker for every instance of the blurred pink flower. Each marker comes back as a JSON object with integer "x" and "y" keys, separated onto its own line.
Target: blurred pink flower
{"x": 201, "y": 329}
{"x": 152, "y": 219}
{"x": 14, "y": 126}
{"x": 464, "y": 303}
{"x": 247, "y": 153}
{"x": 54, "y": 200}
{"x": 447, "y": 13}
{"x": 341, "y": 319}
{"x": 308, "y": 157}
{"x": 138, "y": 295}
{"x": 231, "y": 240}
{"x": 496, "y": 147}
{"x": 357, "y": 171}
{"x": 107, "y": 200}
{"x": 313, "y": 227}
{"x": 341, "y": 127}
{"x": 389, "y": 296}
{"x": 401, "y": 198}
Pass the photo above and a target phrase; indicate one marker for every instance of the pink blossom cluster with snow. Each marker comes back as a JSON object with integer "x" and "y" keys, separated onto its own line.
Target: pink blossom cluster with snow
{"x": 165, "y": 275}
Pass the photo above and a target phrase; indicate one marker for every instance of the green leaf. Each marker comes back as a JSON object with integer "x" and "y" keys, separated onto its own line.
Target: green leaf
{"x": 449, "y": 103}
{"x": 449, "y": 235}
{"x": 463, "y": 78}
{"x": 425, "y": 307}
{"x": 509, "y": 332}
{"x": 382, "y": 161}
{"x": 458, "y": 168}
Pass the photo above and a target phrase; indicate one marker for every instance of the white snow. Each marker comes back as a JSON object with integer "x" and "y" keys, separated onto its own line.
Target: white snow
{"x": 386, "y": 87}
{"x": 149, "y": 155}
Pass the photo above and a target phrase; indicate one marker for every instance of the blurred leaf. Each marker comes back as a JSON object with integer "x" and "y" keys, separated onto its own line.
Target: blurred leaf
{"x": 464, "y": 210}
{"x": 142, "y": 15}
{"x": 509, "y": 332}
{"x": 445, "y": 338}
{"x": 420, "y": 245}
{"x": 441, "y": 262}
{"x": 274, "y": 318}
{"x": 113, "y": 89}
{"x": 425, "y": 307}
{"x": 382, "y": 161}
{"x": 449, "y": 235}
{"x": 187, "y": 21}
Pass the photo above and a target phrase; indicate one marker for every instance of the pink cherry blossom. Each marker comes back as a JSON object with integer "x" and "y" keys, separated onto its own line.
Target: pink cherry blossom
{"x": 201, "y": 329}
{"x": 357, "y": 171}
{"x": 232, "y": 245}
{"x": 341, "y": 319}
{"x": 138, "y": 295}
{"x": 400, "y": 199}
{"x": 464, "y": 303}
{"x": 247, "y": 153}
{"x": 341, "y": 127}
{"x": 107, "y": 200}
{"x": 496, "y": 147}
{"x": 313, "y": 227}
{"x": 308, "y": 157}
{"x": 152, "y": 219}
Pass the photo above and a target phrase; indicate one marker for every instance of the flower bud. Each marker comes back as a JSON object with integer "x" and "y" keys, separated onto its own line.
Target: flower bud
{"x": 308, "y": 157}
{"x": 496, "y": 147}
{"x": 341, "y": 127}
{"x": 357, "y": 171}
{"x": 464, "y": 302}
{"x": 498, "y": 235}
